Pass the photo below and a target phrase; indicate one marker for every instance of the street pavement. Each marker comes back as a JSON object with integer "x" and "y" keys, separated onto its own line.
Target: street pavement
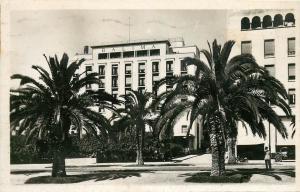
{"x": 174, "y": 172}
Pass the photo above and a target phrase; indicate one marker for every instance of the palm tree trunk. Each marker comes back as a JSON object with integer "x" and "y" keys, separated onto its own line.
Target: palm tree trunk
{"x": 140, "y": 143}
{"x": 217, "y": 145}
{"x": 58, "y": 165}
{"x": 231, "y": 143}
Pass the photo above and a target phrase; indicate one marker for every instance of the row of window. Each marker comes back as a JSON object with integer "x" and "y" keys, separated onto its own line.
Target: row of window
{"x": 129, "y": 54}
{"x": 291, "y": 71}
{"x": 141, "y": 67}
{"x": 269, "y": 47}
{"x": 267, "y": 22}
{"x": 141, "y": 74}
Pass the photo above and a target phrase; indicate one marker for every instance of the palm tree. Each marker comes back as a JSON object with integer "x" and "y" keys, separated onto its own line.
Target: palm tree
{"x": 221, "y": 93}
{"x": 47, "y": 108}
{"x": 136, "y": 114}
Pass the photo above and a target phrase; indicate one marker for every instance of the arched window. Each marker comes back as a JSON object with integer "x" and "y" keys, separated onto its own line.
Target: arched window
{"x": 245, "y": 23}
{"x": 267, "y": 21}
{"x": 256, "y": 23}
{"x": 289, "y": 19}
{"x": 278, "y": 20}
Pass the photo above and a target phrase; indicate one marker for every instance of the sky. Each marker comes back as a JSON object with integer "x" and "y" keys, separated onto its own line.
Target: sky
{"x": 34, "y": 33}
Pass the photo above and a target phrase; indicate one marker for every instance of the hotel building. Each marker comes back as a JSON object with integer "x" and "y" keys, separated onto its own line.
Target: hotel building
{"x": 139, "y": 66}
{"x": 270, "y": 36}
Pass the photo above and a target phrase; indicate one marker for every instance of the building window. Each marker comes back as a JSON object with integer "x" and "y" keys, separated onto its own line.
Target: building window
{"x": 183, "y": 66}
{"x": 127, "y": 54}
{"x": 141, "y": 81}
{"x": 278, "y": 20}
{"x": 155, "y": 67}
{"x": 292, "y": 96}
{"x": 291, "y": 71}
{"x": 291, "y": 46}
{"x": 256, "y": 23}
{"x": 88, "y": 69}
{"x": 169, "y": 66}
{"x": 114, "y": 70}
{"x": 128, "y": 81}
{"x": 270, "y": 69}
{"x": 269, "y": 48}
{"x": 141, "y": 67}
{"x": 267, "y": 21}
{"x": 114, "y": 81}
{"x": 289, "y": 19}
{"x": 115, "y": 93}
{"x": 101, "y": 69}
{"x": 115, "y": 55}
{"x": 101, "y": 85}
{"x": 246, "y": 47}
{"x": 184, "y": 129}
{"x": 128, "y": 68}
{"x": 245, "y": 23}
{"x": 154, "y": 52}
{"x": 102, "y": 56}
{"x": 142, "y": 53}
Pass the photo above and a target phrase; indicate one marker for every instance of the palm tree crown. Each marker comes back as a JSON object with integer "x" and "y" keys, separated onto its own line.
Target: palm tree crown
{"x": 47, "y": 108}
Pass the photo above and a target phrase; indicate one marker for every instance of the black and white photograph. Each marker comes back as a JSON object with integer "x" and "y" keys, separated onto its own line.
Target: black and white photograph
{"x": 192, "y": 97}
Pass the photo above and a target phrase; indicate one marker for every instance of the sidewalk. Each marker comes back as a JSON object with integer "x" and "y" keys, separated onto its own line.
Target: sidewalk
{"x": 189, "y": 163}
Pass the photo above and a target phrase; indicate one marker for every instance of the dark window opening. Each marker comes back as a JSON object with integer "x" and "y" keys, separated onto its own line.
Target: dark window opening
{"x": 256, "y": 23}
{"x": 292, "y": 96}
{"x": 169, "y": 65}
{"x": 155, "y": 67}
{"x": 114, "y": 70}
{"x": 128, "y": 54}
{"x": 278, "y": 20}
{"x": 291, "y": 71}
{"x": 141, "y": 67}
{"x": 289, "y": 19}
{"x": 115, "y": 55}
{"x": 154, "y": 52}
{"x": 101, "y": 70}
{"x": 291, "y": 46}
{"x": 102, "y": 56}
{"x": 142, "y": 53}
{"x": 183, "y": 66}
{"x": 245, "y": 23}
{"x": 114, "y": 81}
{"x": 267, "y": 21}
{"x": 127, "y": 68}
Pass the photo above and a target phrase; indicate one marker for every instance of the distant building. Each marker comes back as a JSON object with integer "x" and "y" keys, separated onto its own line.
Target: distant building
{"x": 139, "y": 65}
{"x": 270, "y": 36}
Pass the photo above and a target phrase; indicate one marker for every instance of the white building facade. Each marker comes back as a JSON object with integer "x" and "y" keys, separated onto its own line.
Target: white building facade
{"x": 138, "y": 66}
{"x": 270, "y": 36}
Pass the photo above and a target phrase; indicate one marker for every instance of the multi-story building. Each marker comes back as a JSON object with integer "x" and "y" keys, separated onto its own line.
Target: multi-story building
{"x": 269, "y": 35}
{"x": 139, "y": 66}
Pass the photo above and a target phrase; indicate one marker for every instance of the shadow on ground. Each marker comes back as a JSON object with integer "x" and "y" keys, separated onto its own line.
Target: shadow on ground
{"x": 30, "y": 172}
{"x": 236, "y": 175}
{"x": 160, "y": 165}
{"x": 97, "y": 176}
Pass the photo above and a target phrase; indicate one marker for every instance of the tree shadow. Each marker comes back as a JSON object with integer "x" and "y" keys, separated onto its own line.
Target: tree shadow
{"x": 237, "y": 175}
{"x": 28, "y": 172}
{"x": 96, "y": 175}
